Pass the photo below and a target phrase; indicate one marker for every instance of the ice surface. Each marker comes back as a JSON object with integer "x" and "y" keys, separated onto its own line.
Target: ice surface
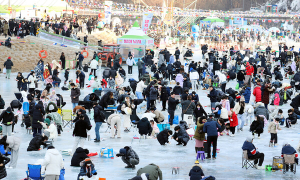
{"x": 226, "y": 166}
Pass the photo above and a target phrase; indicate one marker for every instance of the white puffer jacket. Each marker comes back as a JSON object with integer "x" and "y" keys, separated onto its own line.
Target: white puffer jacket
{"x": 224, "y": 113}
{"x": 140, "y": 86}
{"x": 53, "y": 162}
{"x": 53, "y": 131}
{"x": 94, "y": 64}
{"x": 194, "y": 75}
{"x": 31, "y": 79}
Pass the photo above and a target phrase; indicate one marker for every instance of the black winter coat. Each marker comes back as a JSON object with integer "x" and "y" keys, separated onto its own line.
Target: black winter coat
{"x": 86, "y": 118}
{"x": 15, "y": 104}
{"x": 196, "y": 173}
{"x": 7, "y": 117}
{"x": 258, "y": 126}
{"x": 79, "y": 155}
{"x": 3, "y": 160}
{"x": 80, "y": 128}
{"x": 8, "y": 64}
{"x": 172, "y": 103}
{"x": 36, "y": 143}
{"x": 37, "y": 116}
{"x": 2, "y": 103}
{"x": 144, "y": 126}
{"x": 163, "y": 137}
{"x": 178, "y": 90}
{"x": 98, "y": 114}
{"x": 164, "y": 93}
{"x": 199, "y": 112}
{"x": 104, "y": 100}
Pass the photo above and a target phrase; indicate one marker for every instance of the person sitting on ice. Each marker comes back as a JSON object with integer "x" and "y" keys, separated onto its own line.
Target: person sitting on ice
{"x": 87, "y": 169}
{"x": 253, "y": 153}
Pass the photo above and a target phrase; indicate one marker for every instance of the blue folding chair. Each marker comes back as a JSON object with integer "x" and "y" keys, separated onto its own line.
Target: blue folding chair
{"x": 34, "y": 172}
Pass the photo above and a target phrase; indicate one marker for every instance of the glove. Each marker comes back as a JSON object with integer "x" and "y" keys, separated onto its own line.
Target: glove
{"x": 8, "y": 123}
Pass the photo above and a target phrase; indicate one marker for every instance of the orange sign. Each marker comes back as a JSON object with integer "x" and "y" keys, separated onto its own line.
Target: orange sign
{"x": 9, "y": 9}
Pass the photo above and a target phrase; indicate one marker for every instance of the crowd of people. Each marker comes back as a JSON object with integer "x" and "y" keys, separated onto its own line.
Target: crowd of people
{"x": 174, "y": 80}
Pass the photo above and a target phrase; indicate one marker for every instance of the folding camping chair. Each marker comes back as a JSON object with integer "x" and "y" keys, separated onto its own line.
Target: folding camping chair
{"x": 246, "y": 162}
{"x": 133, "y": 125}
{"x": 289, "y": 159}
{"x": 34, "y": 172}
{"x": 67, "y": 117}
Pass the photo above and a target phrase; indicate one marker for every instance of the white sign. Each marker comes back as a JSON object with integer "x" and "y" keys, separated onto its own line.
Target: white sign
{"x": 107, "y": 11}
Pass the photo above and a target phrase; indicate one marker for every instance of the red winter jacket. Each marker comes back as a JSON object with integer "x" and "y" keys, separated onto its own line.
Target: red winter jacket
{"x": 249, "y": 70}
{"x": 257, "y": 93}
{"x": 233, "y": 120}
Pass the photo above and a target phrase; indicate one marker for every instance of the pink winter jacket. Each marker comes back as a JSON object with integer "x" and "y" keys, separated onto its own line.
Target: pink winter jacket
{"x": 155, "y": 128}
{"x": 277, "y": 99}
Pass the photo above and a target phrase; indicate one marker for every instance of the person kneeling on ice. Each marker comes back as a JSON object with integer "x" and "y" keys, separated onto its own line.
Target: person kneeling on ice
{"x": 129, "y": 157}
{"x": 153, "y": 171}
{"x": 87, "y": 169}
{"x": 36, "y": 142}
{"x": 79, "y": 155}
{"x": 163, "y": 136}
{"x": 196, "y": 172}
{"x": 253, "y": 153}
{"x": 143, "y": 176}
{"x": 181, "y": 136}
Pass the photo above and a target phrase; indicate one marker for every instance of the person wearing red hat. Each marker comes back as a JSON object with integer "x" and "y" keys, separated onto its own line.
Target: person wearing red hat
{"x": 8, "y": 64}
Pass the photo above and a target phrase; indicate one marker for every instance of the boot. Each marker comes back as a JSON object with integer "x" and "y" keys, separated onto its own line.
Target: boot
{"x": 271, "y": 143}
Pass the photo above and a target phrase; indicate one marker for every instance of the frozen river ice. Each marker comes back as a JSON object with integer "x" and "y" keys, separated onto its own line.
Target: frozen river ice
{"x": 226, "y": 166}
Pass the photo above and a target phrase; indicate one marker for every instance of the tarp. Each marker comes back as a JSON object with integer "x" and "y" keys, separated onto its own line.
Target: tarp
{"x": 213, "y": 19}
{"x": 136, "y": 36}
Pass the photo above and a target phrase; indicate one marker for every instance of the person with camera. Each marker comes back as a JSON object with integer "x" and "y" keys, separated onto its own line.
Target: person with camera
{"x": 80, "y": 131}
{"x": 129, "y": 157}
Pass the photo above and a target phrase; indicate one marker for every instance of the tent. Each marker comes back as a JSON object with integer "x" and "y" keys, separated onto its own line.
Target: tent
{"x": 212, "y": 22}
{"x": 136, "y": 41}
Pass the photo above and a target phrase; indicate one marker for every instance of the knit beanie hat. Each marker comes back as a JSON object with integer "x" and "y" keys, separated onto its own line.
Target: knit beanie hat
{"x": 47, "y": 121}
{"x": 51, "y": 107}
{"x": 249, "y": 139}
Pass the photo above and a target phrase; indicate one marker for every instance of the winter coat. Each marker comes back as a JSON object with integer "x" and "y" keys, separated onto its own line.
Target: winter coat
{"x": 240, "y": 76}
{"x": 155, "y": 128}
{"x": 56, "y": 117}
{"x": 261, "y": 110}
{"x": 272, "y": 128}
{"x": 3, "y": 160}
{"x": 159, "y": 115}
{"x": 277, "y": 99}
{"x": 266, "y": 94}
{"x": 237, "y": 108}
{"x": 287, "y": 149}
{"x": 258, "y": 126}
{"x": 31, "y": 80}
{"x": 163, "y": 137}
{"x": 188, "y": 106}
{"x": 251, "y": 149}
{"x": 8, "y": 64}
{"x": 140, "y": 64}
{"x": 153, "y": 171}
{"x": 111, "y": 83}
{"x": 292, "y": 118}
{"x": 53, "y": 162}
{"x": 249, "y": 70}
{"x": 210, "y": 127}
{"x": 194, "y": 75}
{"x": 140, "y": 86}
{"x": 79, "y": 155}
{"x": 224, "y": 63}
{"x": 130, "y": 62}
{"x": 257, "y": 93}
{"x": 182, "y": 135}
{"x": 104, "y": 100}
{"x": 81, "y": 127}
{"x": 13, "y": 142}
{"x": 247, "y": 94}
{"x": 161, "y": 59}
{"x": 153, "y": 93}
{"x": 199, "y": 112}
{"x": 213, "y": 95}
{"x": 99, "y": 114}
{"x": 164, "y": 93}
{"x": 37, "y": 116}
{"x": 179, "y": 78}
{"x": 94, "y": 64}
{"x": 6, "y": 117}
{"x": 172, "y": 103}
{"x": 36, "y": 143}
{"x": 2, "y": 103}
{"x": 233, "y": 120}
{"x": 52, "y": 129}
{"x": 196, "y": 173}
{"x": 75, "y": 92}
{"x": 118, "y": 79}
{"x": 178, "y": 90}
{"x": 147, "y": 78}
{"x": 199, "y": 136}
{"x": 144, "y": 126}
